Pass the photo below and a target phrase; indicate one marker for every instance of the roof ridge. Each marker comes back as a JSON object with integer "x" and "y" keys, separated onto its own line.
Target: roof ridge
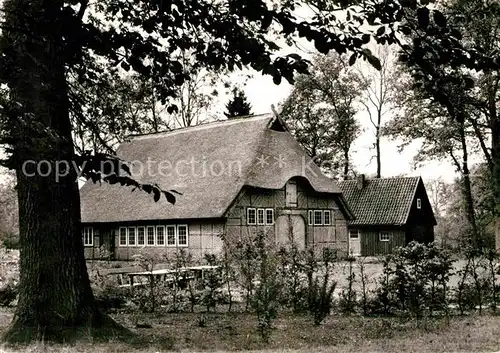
{"x": 202, "y": 126}
{"x": 385, "y": 178}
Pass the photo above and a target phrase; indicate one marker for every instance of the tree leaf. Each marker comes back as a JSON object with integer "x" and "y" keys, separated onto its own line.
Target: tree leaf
{"x": 170, "y": 197}
{"x": 439, "y": 18}
{"x": 374, "y": 61}
{"x": 352, "y": 59}
{"x": 423, "y": 17}
{"x": 157, "y": 194}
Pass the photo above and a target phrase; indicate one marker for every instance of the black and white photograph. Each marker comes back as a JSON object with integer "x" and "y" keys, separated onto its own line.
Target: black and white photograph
{"x": 266, "y": 176}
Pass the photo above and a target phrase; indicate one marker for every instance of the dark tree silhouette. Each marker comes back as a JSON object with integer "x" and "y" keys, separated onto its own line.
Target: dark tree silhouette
{"x": 238, "y": 105}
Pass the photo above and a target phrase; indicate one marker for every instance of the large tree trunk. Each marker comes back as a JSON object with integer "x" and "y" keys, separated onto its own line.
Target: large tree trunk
{"x": 495, "y": 175}
{"x": 55, "y": 298}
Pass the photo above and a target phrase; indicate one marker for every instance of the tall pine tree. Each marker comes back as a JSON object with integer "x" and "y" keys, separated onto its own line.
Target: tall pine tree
{"x": 238, "y": 105}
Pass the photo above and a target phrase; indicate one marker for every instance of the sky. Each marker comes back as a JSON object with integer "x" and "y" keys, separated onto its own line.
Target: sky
{"x": 262, "y": 93}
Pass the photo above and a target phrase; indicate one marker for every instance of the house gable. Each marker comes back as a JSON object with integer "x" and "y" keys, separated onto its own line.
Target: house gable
{"x": 423, "y": 214}
{"x": 331, "y": 233}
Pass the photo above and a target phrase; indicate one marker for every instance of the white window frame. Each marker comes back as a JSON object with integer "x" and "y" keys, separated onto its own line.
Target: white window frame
{"x": 261, "y": 216}
{"x": 120, "y": 236}
{"x": 157, "y": 236}
{"x": 147, "y": 236}
{"x": 187, "y": 236}
{"x": 143, "y": 235}
{"x": 271, "y": 212}
{"x": 311, "y": 217}
{"x": 88, "y": 236}
{"x": 351, "y": 231}
{"x": 314, "y": 217}
{"x": 419, "y": 204}
{"x": 389, "y": 236}
{"x": 175, "y": 236}
{"x": 248, "y": 216}
{"x": 325, "y": 212}
{"x": 135, "y": 236}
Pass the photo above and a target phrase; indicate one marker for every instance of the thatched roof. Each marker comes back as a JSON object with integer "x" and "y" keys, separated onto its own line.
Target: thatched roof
{"x": 385, "y": 201}
{"x": 255, "y": 151}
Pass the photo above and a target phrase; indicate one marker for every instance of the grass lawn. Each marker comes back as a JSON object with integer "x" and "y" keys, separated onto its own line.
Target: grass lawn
{"x": 229, "y": 332}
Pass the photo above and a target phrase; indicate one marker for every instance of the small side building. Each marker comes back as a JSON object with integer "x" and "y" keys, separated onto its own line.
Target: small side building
{"x": 389, "y": 212}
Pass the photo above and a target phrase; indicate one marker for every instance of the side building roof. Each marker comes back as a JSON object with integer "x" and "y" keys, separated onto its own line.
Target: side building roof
{"x": 385, "y": 201}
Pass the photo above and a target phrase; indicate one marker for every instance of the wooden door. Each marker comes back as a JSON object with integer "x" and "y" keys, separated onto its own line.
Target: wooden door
{"x": 291, "y": 228}
{"x": 354, "y": 242}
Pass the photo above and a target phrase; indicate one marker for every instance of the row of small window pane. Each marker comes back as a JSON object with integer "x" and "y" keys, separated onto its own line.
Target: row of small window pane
{"x": 260, "y": 216}
{"x": 385, "y": 236}
{"x": 88, "y": 236}
{"x": 171, "y": 235}
{"x": 320, "y": 217}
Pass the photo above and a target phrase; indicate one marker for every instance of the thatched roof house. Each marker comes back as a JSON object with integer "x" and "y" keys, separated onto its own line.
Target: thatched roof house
{"x": 235, "y": 176}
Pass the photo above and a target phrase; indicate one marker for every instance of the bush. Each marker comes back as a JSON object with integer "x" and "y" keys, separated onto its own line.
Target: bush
{"x": 8, "y": 293}
{"x": 414, "y": 280}
{"x": 11, "y": 241}
{"x": 477, "y": 286}
{"x": 212, "y": 284}
{"x": 348, "y": 296}
{"x": 292, "y": 270}
{"x": 112, "y": 298}
{"x": 320, "y": 288}
{"x": 266, "y": 298}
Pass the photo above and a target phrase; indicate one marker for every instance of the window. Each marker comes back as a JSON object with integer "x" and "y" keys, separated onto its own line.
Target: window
{"x": 269, "y": 216}
{"x": 182, "y": 235}
{"x": 385, "y": 236}
{"x": 123, "y": 236}
{"x": 419, "y": 204}
{"x": 88, "y": 236}
{"x": 151, "y": 235}
{"x": 251, "y": 217}
{"x": 131, "y": 236}
{"x": 170, "y": 235}
{"x": 327, "y": 217}
{"x": 140, "y": 236}
{"x": 353, "y": 233}
{"x": 318, "y": 217}
{"x": 311, "y": 218}
{"x": 260, "y": 216}
{"x": 160, "y": 235}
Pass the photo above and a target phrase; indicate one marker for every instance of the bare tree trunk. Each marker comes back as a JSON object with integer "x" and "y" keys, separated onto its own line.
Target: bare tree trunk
{"x": 55, "y": 298}
{"x": 495, "y": 177}
{"x": 469, "y": 201}
{"x": 346, "y": 165}
{"x": 377, "y": 147}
